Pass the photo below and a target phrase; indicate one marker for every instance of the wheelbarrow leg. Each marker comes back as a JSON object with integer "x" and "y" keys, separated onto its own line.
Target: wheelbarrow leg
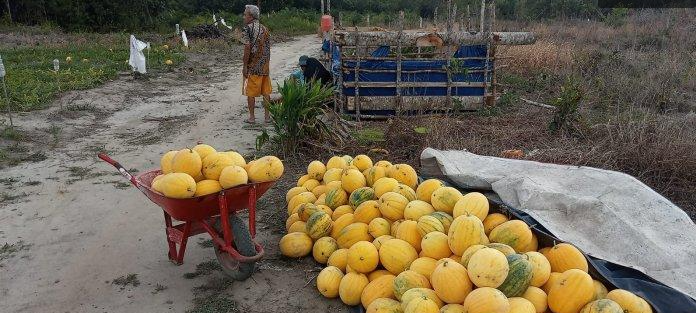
{"x": 176, "y": 236}
{"x": 252, "y": 211}
{"x": 170, "y": 241}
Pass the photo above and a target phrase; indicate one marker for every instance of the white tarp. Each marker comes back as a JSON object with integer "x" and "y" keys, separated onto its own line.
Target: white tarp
{"x": 137, "y": 58}
{"x": 184, "y": 39}
{"x": 607, "y": 214}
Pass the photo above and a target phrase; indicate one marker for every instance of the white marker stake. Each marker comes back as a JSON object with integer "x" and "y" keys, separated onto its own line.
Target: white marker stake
{"x": 56, "y": 68}
{"x": 4, "y": 87}
{"x": 184, "y": 39}
{"x": 178, "y": 31}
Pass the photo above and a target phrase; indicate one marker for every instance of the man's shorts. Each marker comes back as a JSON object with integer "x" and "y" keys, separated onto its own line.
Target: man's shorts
{"x": 256, "y": 85}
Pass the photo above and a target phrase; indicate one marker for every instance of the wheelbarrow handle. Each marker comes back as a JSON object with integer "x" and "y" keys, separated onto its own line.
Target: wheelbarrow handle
{"x": 120, "y": 168}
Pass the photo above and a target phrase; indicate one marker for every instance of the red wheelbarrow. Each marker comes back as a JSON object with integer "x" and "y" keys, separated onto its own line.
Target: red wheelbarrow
{"x": 215, "y": 214}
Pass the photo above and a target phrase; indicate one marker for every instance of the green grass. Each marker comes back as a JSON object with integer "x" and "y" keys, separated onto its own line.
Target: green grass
{"x": 32, "y": 84}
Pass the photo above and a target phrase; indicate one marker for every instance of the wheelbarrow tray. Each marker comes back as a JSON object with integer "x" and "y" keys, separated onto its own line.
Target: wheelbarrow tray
{"x": 199, "y": 208}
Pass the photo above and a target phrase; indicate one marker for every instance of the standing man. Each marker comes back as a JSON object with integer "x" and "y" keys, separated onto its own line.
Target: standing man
{"x": 257, "y": 57}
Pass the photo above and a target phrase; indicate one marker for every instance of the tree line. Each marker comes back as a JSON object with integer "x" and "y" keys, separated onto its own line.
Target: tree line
{"x": 128, "y": 15}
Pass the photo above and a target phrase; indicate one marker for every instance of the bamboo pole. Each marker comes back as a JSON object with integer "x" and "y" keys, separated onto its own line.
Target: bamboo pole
{"x": 435, "y": 18}
{"x": 368, "y": 20}
{"x": 328, "y": 6}
{"x": 468, "y": 18}
{"x": 449, "y": 56}
{"x": 483, "y": 15}
{"x": 322, "y": 7}
{"x": 358, "y": 53}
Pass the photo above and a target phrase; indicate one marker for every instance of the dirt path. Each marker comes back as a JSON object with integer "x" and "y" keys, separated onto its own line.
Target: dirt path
{"x": 76, "y": 227}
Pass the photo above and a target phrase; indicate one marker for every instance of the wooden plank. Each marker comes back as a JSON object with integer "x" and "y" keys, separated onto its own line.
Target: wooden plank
{"x": 413, "y": 84}
{"x": 398, "y": 62}
{"x": 415, "y": 103}
{"x": 357, "y": 80}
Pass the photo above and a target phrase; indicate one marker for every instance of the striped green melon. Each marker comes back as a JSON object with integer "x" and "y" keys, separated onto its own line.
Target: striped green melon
{"x": 361, "y": 195}
{"x": 444, "y": 218}
{"x": 336, "y": 197}
{"x": 602, "y": 306}
{"x": 519, "y": 276}
{"x": 319, "y": 225}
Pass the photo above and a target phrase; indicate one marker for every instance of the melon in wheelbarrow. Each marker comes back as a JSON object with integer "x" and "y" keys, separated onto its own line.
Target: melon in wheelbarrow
{"x": 265, "y": 169}
{"x": 177, "y": 185}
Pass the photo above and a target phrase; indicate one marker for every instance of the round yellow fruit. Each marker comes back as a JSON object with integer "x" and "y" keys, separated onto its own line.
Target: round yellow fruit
{"x": 302, "y": 180}
{"x": 435, "y": 245}
{"x": 316, "y": 170}
{"x": 466, "y": 256}
{"x": 384, "y": 185}
{"x": 177, "y": 185}
{"x": 204, "y": 150}
{"x": 425, "y": 190}
{"x": 291, "y": 193}
{"x": 565, "y": 256}
{"x": 404, "y": 173}
{"x": 473, "y": 203}
{"x": 166, "y": 162}
{"x": 233, "y": 176}
{"x": 600, "y": 290}
{"x": 541, "y": 268}
{"x": 291, "y": 220}
{"x": 323, "y": 248}
{"x": 332, "y": 175}
{"x": 237, "y": 158}
{"x": 367, "y": 211}
{"x": 310, "y": 184}
{"x": 301, "y": 198}
{"x": 465, "y": 231}
{"x": 188, "y": 162}
{"x": 405, "y": 191}
{"x": 380, "y": 240}
{"x": 416, "y": 293}
{"x": 422, "y": 305}
{"x": 492, "y": 221}
{"x": 295, "y": 245}
{"x": 416, "y": 209}
{"x": 486, "y": 300}
{"x": 298, "y": 226}
{"x": 407, "y": 280}
{"x": 424, "y": 266}
{"x": 384, "y": 305}
{"x": 379, "y": 227}
{"x": 488, "y": 268}
{"x": 328, "y": 281}
{"x": 392, "y": 205}
{"x": 451, "y": 282}
{"x": 319, "y": 224}
{"x": 521, "y": 305}
{"x": 353, "y": 233}
{"x": 408, "y": 231}
{"x": 452, "y": 308}
{"x": 265, "y": 169}
{"x": 377, "y": 274}
{"x": 340, "y": 211}
{"x": 443, "y": 199}
{"x": 363, "y": 257}
{"x": 428, "y": 224}
{"x": 336, "y": 162}
{"x": 603, "y": 306}
{"x": 340, "y": 223}
{"x": 339, "y": 259}
{"x": 537, "y": 297}
{"x": 572, "y": 292}
{"x": 397, "y": 255}
{"x": 336, "y": 197}
{"x": 206, "y": 187}
{"x": 515, "y": 234}
{"x": 629, "y": 302}
{"x": 352, "y": 179}
{"x": 381, "y": 287}
{"x": 373, "y": 174}
{"x": 362, "y": 162}
{"x": 351, "y": 287}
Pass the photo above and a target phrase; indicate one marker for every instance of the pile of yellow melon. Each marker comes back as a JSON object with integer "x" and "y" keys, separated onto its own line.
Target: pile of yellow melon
{"x": 202, "y": 170}
{"x": 393, "y": 245}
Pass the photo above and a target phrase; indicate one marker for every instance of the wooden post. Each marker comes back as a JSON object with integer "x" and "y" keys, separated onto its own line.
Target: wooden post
{"x": 483, "y": 14}
{"x": 449, "y": 54}
{"x": 399, "y": 98}
{"x": 435, "y": 17}
{"x": 322, "y": 7}
{"x": 339, "y": 24}
{"x": 328, "y": 6}
{"x": 421, "y": 23}
{"x": 358, "y": 52}
{"x": 492, "y": 55}
{"x": 468, "y": 18}
{"x": 368, "y": 20}
{"x": 9, "y": 10}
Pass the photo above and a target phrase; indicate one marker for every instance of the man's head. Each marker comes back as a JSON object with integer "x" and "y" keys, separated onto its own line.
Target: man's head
{"x": 251, "y": 13}
{"x": 303, "y": 62}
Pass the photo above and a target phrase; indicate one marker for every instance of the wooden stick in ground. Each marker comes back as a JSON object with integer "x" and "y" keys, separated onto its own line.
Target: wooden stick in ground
{"x": 8, "y": 103}
{"x": 398, "y": 63}
{"x": 538, "y": 104}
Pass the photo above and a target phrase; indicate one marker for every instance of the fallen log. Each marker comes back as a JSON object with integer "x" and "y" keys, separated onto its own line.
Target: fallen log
{"x": 390, "y": 38}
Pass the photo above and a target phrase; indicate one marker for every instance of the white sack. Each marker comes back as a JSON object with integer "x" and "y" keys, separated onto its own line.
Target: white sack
{"x": 607, "y": 214}
{"x": 184, "y": 39}
{"x": 137, "y": 58}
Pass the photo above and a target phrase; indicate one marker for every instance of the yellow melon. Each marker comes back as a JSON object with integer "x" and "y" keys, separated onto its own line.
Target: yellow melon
{"x": 353, "y": 233}
{"x": 166, "y": 162}
{"x": 363, "y": 257}
{"x": 237, "y": 158}
{"x": 521, "y": 305}
{"x": 505, "y": 249}
{"x": 565, "y": 256}
{"x": 373, "y": 174}
{"x": 367, "y": 211}
{"x": 422, "y": 305}
{"x": 336, "y": 162}
{"x": 416, "y": 209}
{"x": 537, "y": 297}
{"x": 428, "y": 224}
{"x": 409, "y": 279}
{"x": 488, "y": 268}
{"x": 473, "y": 203}
{"x": 452, "y": 308}
{"x": 316, "y": 170}
{"x": 340, "y": 211}
{"x": 600, "y": 290}
{"x": 378, "y": 227}
{"x": 395, "y": 227}
{"x": 629, "y": 302}
{"x": 155, "y": 183}
{"x": 515, "y": 234}
{"x": 233, "y": 176}
{"x": 533, "y": 244}
{"x": 295, "y": 245}
{"x": 310, "y": 184}
{"x": 397, "y": 255}
{"x": 425, "y": 190}
{"x": 392, "y": 205}
{"x": 445, "y": 219}
{"x": 405, "y": 191}
{"x": 377, "y": 274}
{"x": 384, "y": 185}
{"x": 408, "y": 231}
{"x": 199, "y": 177}
{"x": 451, "y": 282}
{"x": 187, "y": 161}
{"x": 265, "y": 169}
{"x": 416, "y": 293}
{"x": 206, "y": 187}
{"x": 383, "y": 163}
{"x": 204, "y": 150}
{"x": 381, "y": 287}
{"x": 340, "y": 223}
{"x": 424, "y": 266}
{"x": 323, "y": 248}
{"x": 553, "y": 279}
{"x": 465, "y": 231}
{"x": 291, "y": 193}
{"x": 339, "y": 259}
{"x": 572, "y": 292}
{"x": 214, "y": 163}
{"x": 351, "y": 287}
{"x": 298, "y": 226}
{"x": 362, "y": 162}
{"x": 435, "y": 245}
{"x": 466, "y": 256}
{"x": 603, "y": 306}
{"x": 541, "y": 268}
{"x": 305, "y": 210}
{"x": 404, "y": 173}
{"x": 443, "y": 199}
{"x": 292, "y": 219}
{"x": 492, "y": 221}
{"x": 380, "y": 240}
{"x": 177, "y": 185}
{"x": 319, "y": 190}
{"x": 336, "y": 197}
{"x": 486, "y": 300}
{"x": 384, "y": 305}
{"x": 332, "y": 175}
{"x": 301, "y": 180}
{"x": 352, "y": 179}
{"x": 328, "y": 281}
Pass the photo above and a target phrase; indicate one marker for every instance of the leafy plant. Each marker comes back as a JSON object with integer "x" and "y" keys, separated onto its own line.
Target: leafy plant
{"x": 567, "y": 103}
{"x": 296, "y": 118}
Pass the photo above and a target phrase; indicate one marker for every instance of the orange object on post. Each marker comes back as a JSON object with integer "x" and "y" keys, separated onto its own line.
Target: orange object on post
{"x": 326, "y": 23}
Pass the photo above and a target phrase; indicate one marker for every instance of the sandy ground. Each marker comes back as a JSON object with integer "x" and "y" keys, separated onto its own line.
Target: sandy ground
{"x": 77, "y": 227}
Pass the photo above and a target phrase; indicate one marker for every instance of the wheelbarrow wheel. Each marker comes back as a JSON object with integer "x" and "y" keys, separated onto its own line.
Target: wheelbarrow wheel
{"x": 243, "y": 243}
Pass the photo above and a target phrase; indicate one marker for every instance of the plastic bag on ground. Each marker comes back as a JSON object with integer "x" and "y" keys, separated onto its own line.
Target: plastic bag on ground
{"x": 137, "y": 58}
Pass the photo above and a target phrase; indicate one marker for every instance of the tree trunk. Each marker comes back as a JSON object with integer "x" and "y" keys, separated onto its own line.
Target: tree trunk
{"x": 9, "y": 11}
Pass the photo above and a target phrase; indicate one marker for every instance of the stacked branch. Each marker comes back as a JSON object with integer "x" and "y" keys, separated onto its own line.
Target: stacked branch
{"x": 391, "y": 38}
